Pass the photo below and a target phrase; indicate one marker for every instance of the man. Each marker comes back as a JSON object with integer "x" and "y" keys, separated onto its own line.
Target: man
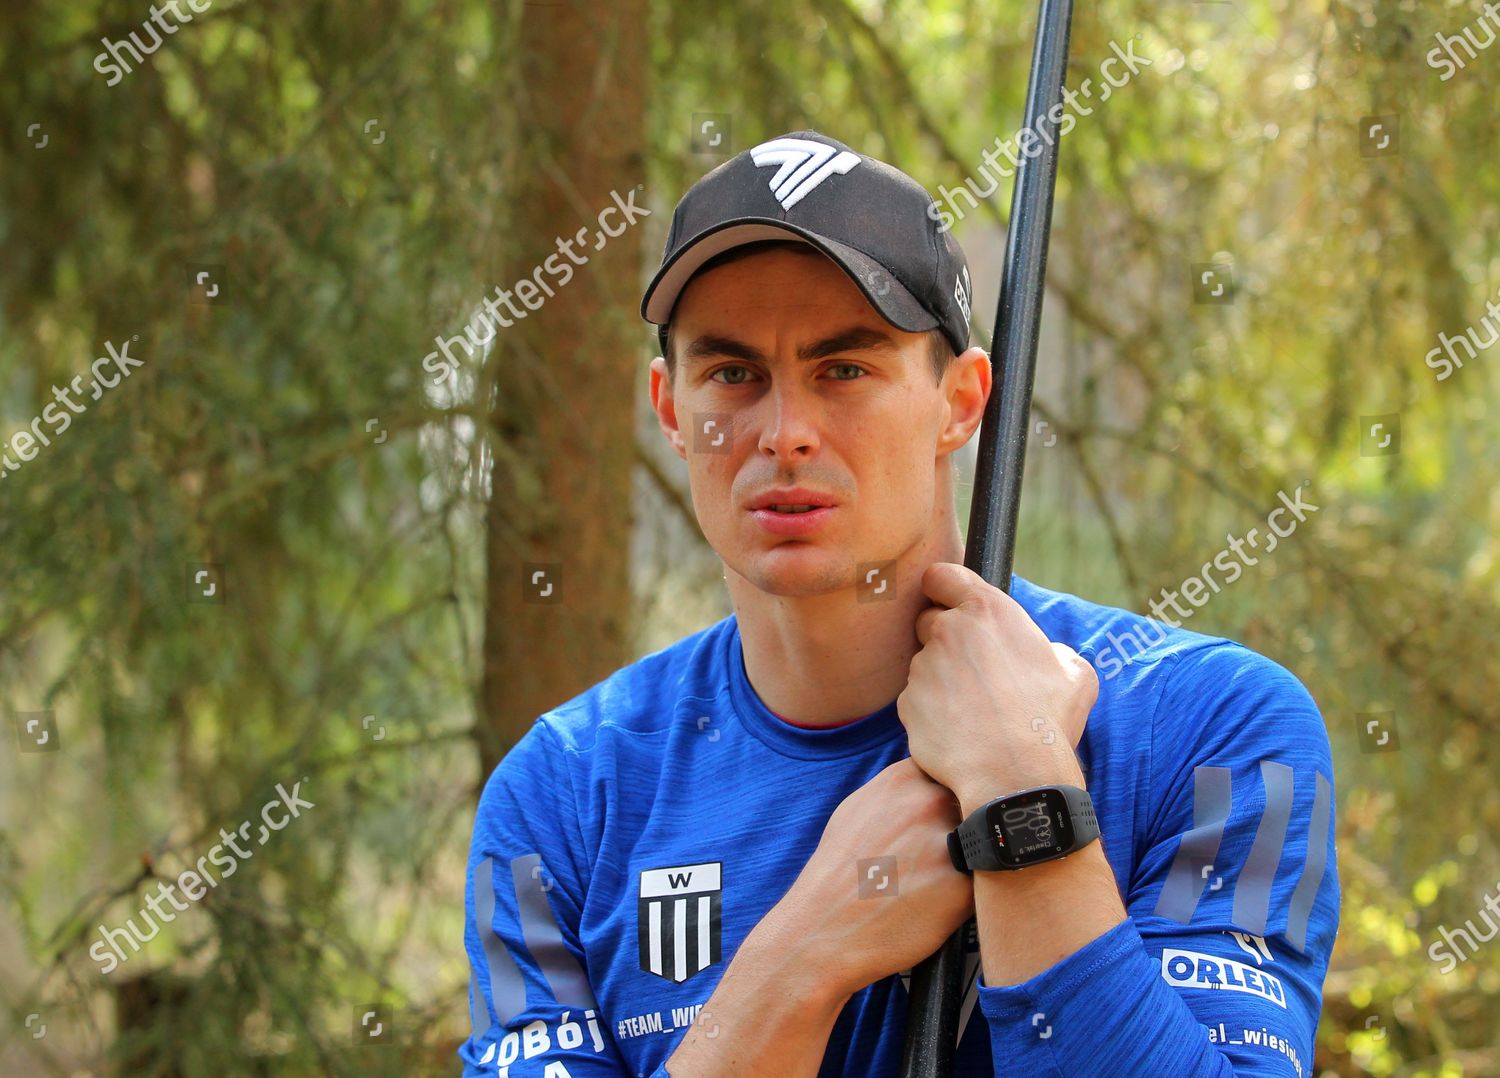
{"x": 725, "y": 858}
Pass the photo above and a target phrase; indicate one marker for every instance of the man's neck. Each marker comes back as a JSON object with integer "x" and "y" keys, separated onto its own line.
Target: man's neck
{"x": 825, "y": 659}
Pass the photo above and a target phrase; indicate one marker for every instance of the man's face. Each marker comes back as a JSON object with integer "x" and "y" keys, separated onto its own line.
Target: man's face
{"x": 811, "y": 388}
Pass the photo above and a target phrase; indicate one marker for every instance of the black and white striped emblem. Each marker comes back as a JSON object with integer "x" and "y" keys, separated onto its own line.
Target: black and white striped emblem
{"x": 678, "y": 916}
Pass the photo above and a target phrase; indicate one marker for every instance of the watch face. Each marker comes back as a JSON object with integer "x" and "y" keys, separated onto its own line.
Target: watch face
{"x": 1031, "y": 827}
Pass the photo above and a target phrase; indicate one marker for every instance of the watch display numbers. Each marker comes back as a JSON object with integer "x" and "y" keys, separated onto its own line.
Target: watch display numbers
{"x": 1028, "y": 829}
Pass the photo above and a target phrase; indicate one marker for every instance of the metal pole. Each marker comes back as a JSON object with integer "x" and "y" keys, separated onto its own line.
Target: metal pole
{"x": 937, "y": 982}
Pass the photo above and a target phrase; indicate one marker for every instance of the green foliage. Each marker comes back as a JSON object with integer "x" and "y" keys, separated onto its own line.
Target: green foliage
{"x": 352, "y": 569}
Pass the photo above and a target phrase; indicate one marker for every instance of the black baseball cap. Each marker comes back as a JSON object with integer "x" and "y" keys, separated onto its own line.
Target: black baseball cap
{"x": 872, "y": 219}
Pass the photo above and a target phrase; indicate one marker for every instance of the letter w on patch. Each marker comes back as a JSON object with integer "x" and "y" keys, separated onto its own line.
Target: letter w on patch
{"x": 678, "y": 919}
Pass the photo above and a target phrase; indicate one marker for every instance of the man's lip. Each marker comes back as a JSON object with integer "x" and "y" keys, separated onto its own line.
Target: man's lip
{"x": 792, "y": 524}
{"x": 791, "y": 497}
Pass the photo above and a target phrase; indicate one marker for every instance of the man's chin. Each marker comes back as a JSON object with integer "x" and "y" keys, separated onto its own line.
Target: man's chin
{"x": 799, "y": 570}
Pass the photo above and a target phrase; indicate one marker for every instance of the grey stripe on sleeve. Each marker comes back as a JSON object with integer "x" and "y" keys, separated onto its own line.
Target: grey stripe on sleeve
{"x": 1317, "y": 862}
{"x": 507, "y": 987}
{"x": 479, "y": 1017}
{"x": 1198, "y": 848}
{"x": 561, "y": 971}
{"x": 1252, "y": 890}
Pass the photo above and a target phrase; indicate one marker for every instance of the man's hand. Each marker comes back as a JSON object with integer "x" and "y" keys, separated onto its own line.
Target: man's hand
{"x": 865, "y": 920}
{"x": 839, "y": 928}
{"x": 991, "y": 706}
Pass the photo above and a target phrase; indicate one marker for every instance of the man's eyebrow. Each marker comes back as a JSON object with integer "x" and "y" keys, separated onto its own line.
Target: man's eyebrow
{"x": 711, "y": 345}
{"x": 854, "y": 339}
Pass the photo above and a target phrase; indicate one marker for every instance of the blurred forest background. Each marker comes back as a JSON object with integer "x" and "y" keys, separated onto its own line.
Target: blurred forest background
{"x": 286, "y": 548}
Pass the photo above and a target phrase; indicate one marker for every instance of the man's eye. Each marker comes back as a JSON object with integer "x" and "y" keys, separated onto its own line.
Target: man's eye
{"x": 730, "y": 370}
{"x": 847, "y": 367}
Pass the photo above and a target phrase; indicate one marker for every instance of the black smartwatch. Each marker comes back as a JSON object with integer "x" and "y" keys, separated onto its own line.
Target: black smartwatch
{"x": 1022, "y": 829}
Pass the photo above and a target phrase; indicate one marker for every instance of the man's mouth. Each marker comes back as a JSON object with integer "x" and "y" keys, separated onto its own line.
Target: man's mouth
{"x": 793, "y": 508}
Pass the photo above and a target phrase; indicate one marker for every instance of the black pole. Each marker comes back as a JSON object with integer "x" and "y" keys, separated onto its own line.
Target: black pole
{"x": 937, "y": 982}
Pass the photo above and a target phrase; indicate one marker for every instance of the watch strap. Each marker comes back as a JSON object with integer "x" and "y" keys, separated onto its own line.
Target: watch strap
{"x": 970, "y": 848}
{"x": 1081, "y": 808}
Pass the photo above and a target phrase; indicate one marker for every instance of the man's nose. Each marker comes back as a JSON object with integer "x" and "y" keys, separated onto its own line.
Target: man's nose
{"x": 790, "y": 427}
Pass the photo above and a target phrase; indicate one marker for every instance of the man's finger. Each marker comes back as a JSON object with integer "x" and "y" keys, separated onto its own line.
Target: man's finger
{"x": 950, "y": 584}
{"x": 924, "y": 620}
{"x": 1070, "y": 660}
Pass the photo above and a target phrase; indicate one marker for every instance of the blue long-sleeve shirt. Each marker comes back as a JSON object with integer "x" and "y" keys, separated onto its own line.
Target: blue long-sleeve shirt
{"x": 629, "y": 842}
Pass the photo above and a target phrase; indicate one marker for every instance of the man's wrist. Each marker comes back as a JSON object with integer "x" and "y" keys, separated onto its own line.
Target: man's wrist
{"x": 1020, "y": 932}
{"x": 770, "y": 1013}
{"x": 788, "y": 956}
{"x": 986, "y": 784}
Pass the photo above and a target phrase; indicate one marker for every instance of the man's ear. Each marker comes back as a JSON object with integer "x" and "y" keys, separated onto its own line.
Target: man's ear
{"x": 665, "y": 407}
{"x": 966, "y": 386}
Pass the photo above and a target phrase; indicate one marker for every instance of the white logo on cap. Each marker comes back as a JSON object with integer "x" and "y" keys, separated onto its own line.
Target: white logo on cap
{"x": 961, "y": 292}
{"x": 804, "y": 165}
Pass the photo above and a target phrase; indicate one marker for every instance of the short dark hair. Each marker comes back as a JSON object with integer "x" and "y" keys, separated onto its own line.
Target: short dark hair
{"x": 939, "y": 351}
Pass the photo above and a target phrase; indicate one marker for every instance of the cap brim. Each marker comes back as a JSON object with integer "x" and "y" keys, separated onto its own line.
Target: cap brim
{"x": 885, "y": 293}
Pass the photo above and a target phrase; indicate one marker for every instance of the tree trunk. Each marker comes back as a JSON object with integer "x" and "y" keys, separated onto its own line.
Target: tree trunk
{"x": 565, "y": 374}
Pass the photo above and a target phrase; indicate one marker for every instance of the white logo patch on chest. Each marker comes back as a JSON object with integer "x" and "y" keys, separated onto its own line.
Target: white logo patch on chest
{"x": 678, "y": 919}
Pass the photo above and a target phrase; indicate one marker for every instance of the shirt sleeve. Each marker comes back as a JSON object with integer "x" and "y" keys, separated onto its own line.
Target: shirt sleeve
{"x": 1233, "y": 906}
{"x": 532, "y": 1007}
